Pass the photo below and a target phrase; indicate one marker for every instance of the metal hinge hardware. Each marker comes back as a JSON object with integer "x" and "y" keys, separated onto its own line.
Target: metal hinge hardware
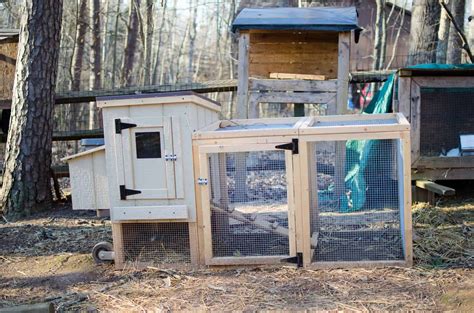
{"x": 293, "y": 146}
{"x": 298, "y": 259}
{"x": 119, "y": 126}
{"x": 124, "y": 192}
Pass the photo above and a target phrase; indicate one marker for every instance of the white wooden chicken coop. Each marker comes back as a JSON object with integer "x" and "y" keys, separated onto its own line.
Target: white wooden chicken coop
{"x": 273, "y": 190}
{"x": 147, "y": 163}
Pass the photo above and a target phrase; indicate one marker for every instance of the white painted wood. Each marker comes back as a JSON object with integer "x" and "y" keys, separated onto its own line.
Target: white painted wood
{"x": 164, "y": 212}
{"x": 89, "y": 180}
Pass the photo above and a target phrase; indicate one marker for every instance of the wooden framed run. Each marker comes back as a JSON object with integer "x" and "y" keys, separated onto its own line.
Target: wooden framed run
{"x": 276, "y": 190}
{"x": 440, "y": 107}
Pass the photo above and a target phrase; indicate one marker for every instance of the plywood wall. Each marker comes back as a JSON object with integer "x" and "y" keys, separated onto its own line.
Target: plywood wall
{"x": 8, "y": 51}
{"x": 293, "y": 52}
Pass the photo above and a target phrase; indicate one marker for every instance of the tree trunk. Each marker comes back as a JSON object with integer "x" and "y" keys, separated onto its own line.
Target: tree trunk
{"x": 424, "y": 31}
{"x": 471, "y": 26}
{"x": 443, "y": 35}
{"x": 380, "y": 36}
{"x": 114, "y": 59}
{"x": 455, "y": 43}
{"x": 79, "y": 48}
{"x": 96, "y": 59}
{"x": 158, "y": 48}
{"x": 148, "y": 41}
{"x": 26, "y": 179}
{"x": 130, "y": 44}
{"x": 192, "y": 38}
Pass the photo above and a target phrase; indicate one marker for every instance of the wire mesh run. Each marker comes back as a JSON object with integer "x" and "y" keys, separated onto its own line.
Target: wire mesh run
{"x": 445, "y": 114}
{"x": 249, "y": 206}
{"x": 156, "y": 243}
{"x": 355, "y": 210}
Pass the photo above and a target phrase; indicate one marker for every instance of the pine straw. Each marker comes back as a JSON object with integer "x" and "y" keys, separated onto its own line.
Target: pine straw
{"x": 443, "y": 240}
{"x": 444, "y": 235}
{"x": 279, "y": 289}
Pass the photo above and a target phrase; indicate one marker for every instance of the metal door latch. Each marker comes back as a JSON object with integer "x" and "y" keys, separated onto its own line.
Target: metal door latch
{"x": 202, "y": 181}
{"x": 170, "y": 157}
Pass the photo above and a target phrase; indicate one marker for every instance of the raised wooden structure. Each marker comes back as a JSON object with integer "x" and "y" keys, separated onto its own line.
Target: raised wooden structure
{"x": 294, "y": 42}
{"x": 8, "y": 52}
{"x": 308, "y": 224}
{"x": 439, "y": 103}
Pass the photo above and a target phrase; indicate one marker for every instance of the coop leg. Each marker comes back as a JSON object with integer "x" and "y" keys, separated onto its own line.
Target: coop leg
{"x": 117, "y": 237}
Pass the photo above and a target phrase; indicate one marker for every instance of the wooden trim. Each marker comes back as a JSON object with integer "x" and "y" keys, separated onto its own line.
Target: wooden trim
{"x": 85, "y": 153}
{"x": 407, "y": 215}
{"x": 344, "y": 50}
{"x": 444, "y": 82}
{"x": 244, "y": 140}
{"x": 293, "y": 85}
{"x": 444, "y": 162}
{"x": 242, "y": 110}
{"x": 415, "y": 111}
{"x": 199, "y": 207}
{"x": 358, "y": 264}
{"x": 165, "y": 100}
{"x": 444, "y": 174}
{"x": 292, "y": 197}
{"x": 285, "y": 97}
{"x": 355, "y": 136}
{"x": 117, "y": 240}
{"x": 239, "y": 148}
{"x": 248, "y": 260}
{"x": 194, "y": 243}
{"x": 303, "y": 199}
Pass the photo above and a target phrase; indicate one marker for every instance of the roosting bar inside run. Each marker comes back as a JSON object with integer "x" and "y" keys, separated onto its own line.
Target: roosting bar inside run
{"x": 318, "y": 191}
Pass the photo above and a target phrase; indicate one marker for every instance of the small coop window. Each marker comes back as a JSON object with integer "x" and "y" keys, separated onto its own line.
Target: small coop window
{"x": 148, "y": 145}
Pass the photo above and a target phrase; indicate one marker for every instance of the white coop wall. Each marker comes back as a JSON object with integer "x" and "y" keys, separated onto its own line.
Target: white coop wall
{"x": 89, "y": 180}
{"x": 150, "y": 170}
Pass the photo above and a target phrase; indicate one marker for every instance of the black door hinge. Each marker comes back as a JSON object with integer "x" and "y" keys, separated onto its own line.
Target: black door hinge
{"x": 119, "y": 126}
{"x": 298, "y": 259}
{"x": 124, "y": 192}
{"x": 293, "y": 146}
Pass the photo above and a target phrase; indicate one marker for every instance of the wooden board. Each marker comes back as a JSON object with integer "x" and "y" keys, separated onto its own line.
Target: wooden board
{"x": 313, "y": 53}
{"x": 296, "y": 76}
{"x": 8, "y": 53}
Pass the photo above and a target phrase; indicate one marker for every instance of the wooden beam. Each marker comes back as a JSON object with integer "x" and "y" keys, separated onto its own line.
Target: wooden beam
{"x": 30, "y": 308}
{"x": 242, "y": 110}
{"x": 436, "y": 188}
{"x": 293, "y": 85}
{"x": 284, "y": 97}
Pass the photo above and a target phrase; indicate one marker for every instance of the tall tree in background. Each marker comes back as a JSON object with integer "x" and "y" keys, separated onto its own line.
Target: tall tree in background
{"x": 443, "y": 35}
{"x": 79, "y": 45}
{"x": 95, "y": 58}
{"x": 26, "y": 180}
{"x": 150, "y": 12}
{"x": 131, "y": 42}
{"x": 424, "y": 31}
{"x": 455, "y": 42}
{"x": 380, "y": 35}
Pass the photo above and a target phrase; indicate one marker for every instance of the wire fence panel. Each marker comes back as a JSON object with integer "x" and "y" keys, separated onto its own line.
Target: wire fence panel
{"x": 156, "y": 243}
{"x": 445, "y": 113}
{"x": 355, "y": 210}
{"x": 249, "y": 206}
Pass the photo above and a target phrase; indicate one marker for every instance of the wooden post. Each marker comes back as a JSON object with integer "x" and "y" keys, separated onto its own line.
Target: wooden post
{"x": 341, "y": 108}
{"x": 241, "y": 111}
{"x": 117, "y": 236}
{"x": 343, "y": 71}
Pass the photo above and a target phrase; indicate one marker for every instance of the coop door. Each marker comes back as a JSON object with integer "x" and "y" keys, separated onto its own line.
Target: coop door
{"x": 247, "y": 206}
{"x": 148, "y": 158}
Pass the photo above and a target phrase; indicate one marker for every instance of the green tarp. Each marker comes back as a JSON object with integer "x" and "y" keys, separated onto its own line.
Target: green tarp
{"x": 360, "y": 153}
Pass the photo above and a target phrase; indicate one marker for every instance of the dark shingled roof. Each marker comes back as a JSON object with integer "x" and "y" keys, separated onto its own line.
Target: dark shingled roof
{"x": 321, "y": 18}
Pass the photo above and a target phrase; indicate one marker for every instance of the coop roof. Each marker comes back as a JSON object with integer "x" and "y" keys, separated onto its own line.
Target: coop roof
{"x": 321, "y": 18}
{"x": 159, "y": 98}
{"x": 9, "y": 34}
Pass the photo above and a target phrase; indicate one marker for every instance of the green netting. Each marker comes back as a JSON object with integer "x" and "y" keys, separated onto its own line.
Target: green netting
{"x": 360, "y": 153}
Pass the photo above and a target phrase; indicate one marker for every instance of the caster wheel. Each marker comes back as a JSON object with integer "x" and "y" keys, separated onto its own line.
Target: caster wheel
{"x": 103, "y": 252}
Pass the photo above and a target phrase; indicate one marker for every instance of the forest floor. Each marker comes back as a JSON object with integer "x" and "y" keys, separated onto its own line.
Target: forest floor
{"x": 46, "y": 258}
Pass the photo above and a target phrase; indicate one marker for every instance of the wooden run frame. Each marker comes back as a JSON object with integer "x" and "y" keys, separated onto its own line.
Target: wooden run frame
{"x": 408, "y": 102}
{"x": 308, "y": 130}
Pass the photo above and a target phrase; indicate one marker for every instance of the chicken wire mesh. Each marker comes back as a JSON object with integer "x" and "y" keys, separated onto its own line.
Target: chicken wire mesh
{"x": 450, "y": 110}
{"x": 156, "y": 243}
{"x": 355, "y": 211}
{"x": 249, "y": 207}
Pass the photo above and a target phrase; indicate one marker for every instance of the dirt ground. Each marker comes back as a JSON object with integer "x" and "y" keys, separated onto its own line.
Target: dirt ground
{"x": 47, "y": 258}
